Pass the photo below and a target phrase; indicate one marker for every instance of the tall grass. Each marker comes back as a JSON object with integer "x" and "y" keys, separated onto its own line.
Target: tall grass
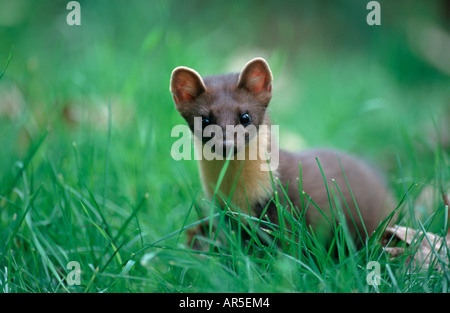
{"x": 85, "y": 167}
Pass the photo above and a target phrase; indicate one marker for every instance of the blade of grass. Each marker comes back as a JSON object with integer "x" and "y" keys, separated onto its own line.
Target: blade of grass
{"x": 406, "y": 191}
{"x": 102, "y": 269}
{"x": 7, "y": 62}
{"x": 26, "y": 162}
{"x": 174, "y": 233}
{"x": 43, "y": 252}
{"x": 104, "y": 234}
{"x": 216, "y": 191}
{"x": 94, "y": 275}
{"x": 342, "y": 219}
{"x": 18, "y": 223}
{"x": 108, "y": 143}
{"x": 333, "y": 219}
{"x": 432, "y": 246}
{"x": 354, "y": 201}
{"x": 132, "y": 215}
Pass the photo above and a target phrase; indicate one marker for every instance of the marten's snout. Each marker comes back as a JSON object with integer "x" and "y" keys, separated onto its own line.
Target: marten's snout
{"x": 227, "y": 141}
{"x": 224, "y": 148}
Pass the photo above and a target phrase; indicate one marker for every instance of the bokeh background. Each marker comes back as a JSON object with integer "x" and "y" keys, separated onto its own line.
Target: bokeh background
{"x": 86, "y": 114}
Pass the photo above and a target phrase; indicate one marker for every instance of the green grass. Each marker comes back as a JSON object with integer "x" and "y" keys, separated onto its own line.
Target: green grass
{"x": 85, "y": 122}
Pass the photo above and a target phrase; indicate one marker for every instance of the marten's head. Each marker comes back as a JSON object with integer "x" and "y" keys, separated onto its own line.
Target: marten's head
{"x": 219, "y": 109}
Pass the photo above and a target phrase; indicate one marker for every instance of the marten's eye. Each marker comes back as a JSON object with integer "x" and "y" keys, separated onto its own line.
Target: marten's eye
{"x": 205, "y": 122}
{"x": 245, "y": 119}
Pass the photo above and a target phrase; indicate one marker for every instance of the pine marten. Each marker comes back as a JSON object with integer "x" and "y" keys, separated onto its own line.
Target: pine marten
{"x": 240, "y": 100}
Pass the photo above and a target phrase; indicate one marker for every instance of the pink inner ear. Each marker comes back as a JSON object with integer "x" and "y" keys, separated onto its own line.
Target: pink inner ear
{"x": 185, "y": 87}
{"x": 184, "y": 90}
{"x": 258, "y": 80}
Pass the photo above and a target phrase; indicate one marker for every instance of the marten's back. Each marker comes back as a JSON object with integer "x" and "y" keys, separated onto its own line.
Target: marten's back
{"x": 371, "y": 195}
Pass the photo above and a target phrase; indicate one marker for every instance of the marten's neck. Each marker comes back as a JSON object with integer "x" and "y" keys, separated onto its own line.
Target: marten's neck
{"x": 244, "y": 183}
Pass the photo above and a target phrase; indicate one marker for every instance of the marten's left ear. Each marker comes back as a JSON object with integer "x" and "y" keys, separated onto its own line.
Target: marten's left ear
{"x": 256, "y": 78}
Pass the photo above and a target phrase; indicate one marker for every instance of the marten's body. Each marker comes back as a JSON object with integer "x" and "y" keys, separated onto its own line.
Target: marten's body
{"x": 242, "y": 99}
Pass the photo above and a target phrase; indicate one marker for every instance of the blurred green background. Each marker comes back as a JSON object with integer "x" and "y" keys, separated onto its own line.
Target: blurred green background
{"x": 86, "y": 114}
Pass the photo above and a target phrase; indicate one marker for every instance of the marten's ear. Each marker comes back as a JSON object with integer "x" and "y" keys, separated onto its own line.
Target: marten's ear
{"x": 185, "y": 85}
{"x": 256, "y": 78}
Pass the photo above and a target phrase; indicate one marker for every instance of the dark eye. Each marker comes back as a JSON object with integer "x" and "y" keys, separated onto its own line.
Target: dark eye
{"x": 205, "y": 122}
{"x": 245, "y": 119}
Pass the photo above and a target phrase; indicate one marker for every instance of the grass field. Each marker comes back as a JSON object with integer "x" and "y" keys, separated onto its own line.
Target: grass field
{"x": 86, "y": 115}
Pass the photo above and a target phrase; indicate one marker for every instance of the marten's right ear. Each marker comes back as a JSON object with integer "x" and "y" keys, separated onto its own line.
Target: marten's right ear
{"x": 185, "y": 85}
